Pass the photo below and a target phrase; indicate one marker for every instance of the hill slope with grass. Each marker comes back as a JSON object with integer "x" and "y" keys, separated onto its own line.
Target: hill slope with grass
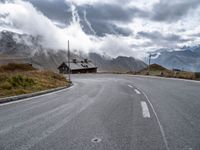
{"x": 17, "y": 79}
{"x": 158, "y": 70}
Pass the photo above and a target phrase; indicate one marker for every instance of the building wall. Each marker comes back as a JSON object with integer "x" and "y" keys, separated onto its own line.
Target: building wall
{"x": 93, "y": 70}
{"x": 63, "y": 70}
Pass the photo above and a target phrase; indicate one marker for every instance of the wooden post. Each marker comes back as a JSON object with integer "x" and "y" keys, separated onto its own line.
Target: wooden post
{"x": 149, "y": 63}
{"x": 69, "y": 71}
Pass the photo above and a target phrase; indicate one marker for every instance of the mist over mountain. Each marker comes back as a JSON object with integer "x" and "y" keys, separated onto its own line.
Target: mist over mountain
{"x": 117, "y": 28}
{"x": 23, "y": 48}
{"x": 113, "y": 28}
{"x": 119, "y": 64}
{"x": 187, "y": 58}
{"x": 15, "y": 44}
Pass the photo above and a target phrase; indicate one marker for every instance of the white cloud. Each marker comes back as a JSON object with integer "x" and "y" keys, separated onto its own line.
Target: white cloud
{"x": 91, "y": 2}
{"x": 25, "y": 18}
{"x": 20, "y": 16}
{"x": 143, "y": 4}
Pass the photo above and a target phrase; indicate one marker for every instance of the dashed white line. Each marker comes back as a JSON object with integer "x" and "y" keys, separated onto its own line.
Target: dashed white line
{"x": 138, "y": 92}
{"x": 130, "y": 86}
{"x": 158, "y": 121}
{"x": 145, "y": 110}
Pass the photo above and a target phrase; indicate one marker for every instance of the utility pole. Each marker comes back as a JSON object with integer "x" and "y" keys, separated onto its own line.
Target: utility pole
{"x": 69, "y": 71}
{"x": 149, "y": 63}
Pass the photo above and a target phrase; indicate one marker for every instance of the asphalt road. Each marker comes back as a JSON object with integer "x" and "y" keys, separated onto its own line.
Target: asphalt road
{"x": 106, "y": 112}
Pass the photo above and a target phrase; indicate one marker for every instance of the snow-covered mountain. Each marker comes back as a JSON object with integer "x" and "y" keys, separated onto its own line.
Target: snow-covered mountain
{"x": 186, "y": 58}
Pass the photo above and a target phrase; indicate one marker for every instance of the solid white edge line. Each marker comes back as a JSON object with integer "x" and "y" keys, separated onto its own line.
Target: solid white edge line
{"x": 165, "y": 78}
{"x": 158, "y": 121}
{"x": 145, "y": 110}
{"x": 138, "y": 92}
{"x": 34, "y": 97}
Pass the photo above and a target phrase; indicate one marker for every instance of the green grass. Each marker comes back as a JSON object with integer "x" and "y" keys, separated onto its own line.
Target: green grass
{"x": 25, "y": 79}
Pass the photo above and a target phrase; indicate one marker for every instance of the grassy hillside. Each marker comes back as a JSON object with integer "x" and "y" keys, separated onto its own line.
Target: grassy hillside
{"x": 157, "y": 70}
{"x": 16, "y": 79}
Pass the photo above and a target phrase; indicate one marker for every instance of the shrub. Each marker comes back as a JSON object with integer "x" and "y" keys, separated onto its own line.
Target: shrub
{"x": 3, "y": 78}
{"x": 6, "y": 86}
{"x": 20, "y": 91}
{"x": 58, "y": 77}
{"x": 20, "y": 81}
{"x": 16, "y": 67}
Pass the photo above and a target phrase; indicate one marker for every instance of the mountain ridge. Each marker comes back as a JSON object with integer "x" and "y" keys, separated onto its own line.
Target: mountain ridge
{"x": 22, "y": 48}
{"x": 187, "y": 58}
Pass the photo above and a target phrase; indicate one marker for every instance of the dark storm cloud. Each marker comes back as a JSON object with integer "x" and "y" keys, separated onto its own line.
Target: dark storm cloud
{"x": 122, "y": 31}
{"x": 58, "y": 10}
{"x": 164, "y": 10}
{"x": 171, "y": 11}
{"x": 108, "y": 12}
{"x": 55, "y": 10}
{"x": 104, "y": 17}
{"x": 101, "y": 28}
{"x": 2, "y": 1}
{"x": 100, "y": 16}
{"x": 162, "y": 39}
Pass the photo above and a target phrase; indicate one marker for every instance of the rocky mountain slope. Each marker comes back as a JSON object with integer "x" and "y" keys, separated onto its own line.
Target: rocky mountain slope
{"x": 22, "y": 48}
{"x": 187, "y": 58}
{"x": 119, "y": 64}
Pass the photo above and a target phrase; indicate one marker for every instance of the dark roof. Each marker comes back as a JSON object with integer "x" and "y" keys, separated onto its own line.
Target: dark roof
{"x": 79, "y": 65}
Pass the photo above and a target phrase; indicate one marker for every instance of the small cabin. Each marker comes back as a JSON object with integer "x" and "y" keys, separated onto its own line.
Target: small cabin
{"x": 77, "y": 66}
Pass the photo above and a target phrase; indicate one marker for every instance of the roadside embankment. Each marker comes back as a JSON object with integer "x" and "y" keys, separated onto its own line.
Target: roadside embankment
{"x": 18, "y": 79}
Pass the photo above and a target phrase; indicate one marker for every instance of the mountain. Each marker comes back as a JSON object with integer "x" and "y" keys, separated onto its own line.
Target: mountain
{"x": 119, "y": 64}
{"x": 23, "y": 48}
{"x": 187, "y": 58}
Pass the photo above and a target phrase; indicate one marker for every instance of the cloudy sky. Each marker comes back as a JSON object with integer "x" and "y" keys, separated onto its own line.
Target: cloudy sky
{"x": 112, "y": 27}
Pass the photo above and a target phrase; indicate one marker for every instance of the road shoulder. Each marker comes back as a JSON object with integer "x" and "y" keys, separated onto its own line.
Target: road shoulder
{"x": 24, "y": 96}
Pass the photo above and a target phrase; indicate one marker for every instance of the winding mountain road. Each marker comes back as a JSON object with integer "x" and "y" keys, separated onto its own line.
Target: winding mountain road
{"x": 106, "y": 112}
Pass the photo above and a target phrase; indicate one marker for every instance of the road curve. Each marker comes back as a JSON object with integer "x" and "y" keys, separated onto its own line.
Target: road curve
{"x": 106, "y": 112}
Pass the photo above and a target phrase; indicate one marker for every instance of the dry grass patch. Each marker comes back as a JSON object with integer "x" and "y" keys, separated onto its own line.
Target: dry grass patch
{"x": 18, "y": 79}
{"x": 157, "y": 70}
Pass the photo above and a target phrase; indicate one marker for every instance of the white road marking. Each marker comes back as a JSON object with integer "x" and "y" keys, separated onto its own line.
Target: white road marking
{"x": 158, "y": 121}
{"x": 130, "y": 86}
{"x": 145, "y": 110}
{"x": 165, "y": 78}
{"x": 34, "y": 97}
{"x": 138, "y": 92}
